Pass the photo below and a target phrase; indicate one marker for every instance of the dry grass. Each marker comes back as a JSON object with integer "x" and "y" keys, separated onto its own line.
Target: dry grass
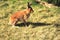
{"x": 43, "y": 24}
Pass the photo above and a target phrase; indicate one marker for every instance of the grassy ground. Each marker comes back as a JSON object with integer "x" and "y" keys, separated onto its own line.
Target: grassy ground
{"x": 43, "y": 23}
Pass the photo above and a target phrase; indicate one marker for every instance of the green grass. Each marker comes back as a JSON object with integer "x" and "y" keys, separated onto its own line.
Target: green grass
{"x": 38, "y": 28}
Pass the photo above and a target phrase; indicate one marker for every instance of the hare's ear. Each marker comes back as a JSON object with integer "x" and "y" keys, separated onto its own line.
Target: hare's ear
{"x": 29, "y": 3}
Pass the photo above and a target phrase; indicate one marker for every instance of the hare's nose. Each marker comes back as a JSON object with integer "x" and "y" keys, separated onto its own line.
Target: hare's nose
{"x": 32, "y": 10}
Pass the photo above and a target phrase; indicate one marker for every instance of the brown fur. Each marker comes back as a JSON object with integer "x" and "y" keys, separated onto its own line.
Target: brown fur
{"x": 20, "y": 16}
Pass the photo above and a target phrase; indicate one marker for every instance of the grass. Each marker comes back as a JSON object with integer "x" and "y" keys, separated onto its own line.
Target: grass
{"x": 42, "y": 25}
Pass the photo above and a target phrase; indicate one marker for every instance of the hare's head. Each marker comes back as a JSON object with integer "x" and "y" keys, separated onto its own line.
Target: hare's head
{"x": 29, "y": 7}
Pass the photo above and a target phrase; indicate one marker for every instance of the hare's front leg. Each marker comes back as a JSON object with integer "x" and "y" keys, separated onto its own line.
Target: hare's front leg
{"x": 25, "y": 20}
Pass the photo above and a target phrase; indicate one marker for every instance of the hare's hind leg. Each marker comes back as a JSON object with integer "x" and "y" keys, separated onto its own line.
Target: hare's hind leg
{"x": 14, "y": 23}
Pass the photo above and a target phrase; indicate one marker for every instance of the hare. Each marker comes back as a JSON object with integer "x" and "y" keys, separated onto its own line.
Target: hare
{"x": 21, "y": 15}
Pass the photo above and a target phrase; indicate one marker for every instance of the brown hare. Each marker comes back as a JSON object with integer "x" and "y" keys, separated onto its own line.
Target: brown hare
{"x": 21, "y": 15}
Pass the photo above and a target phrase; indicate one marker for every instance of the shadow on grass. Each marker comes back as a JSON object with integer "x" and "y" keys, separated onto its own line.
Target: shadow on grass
{"x": 57, "y": 25}
{"x": 34, "y": 24}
